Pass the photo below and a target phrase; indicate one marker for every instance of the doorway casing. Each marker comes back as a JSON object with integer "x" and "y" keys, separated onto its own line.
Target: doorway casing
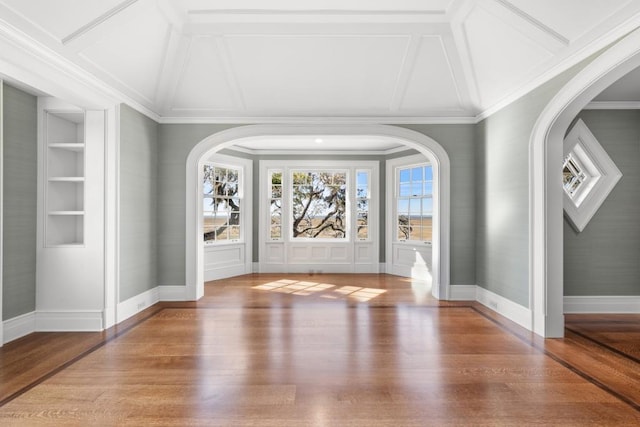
{"x": 545, "y": 166}
{"x": 423, "y": 144}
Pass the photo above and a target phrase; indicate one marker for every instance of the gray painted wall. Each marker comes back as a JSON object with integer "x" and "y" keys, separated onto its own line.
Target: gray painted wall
{"x": 20, "y": 198}
{"x": 502, "y": 192}
{"x": 604, "y": 259}
{"x": 174, "y": 144}
{"x": 138, "y": 203}
{"x": 458, "y": 141}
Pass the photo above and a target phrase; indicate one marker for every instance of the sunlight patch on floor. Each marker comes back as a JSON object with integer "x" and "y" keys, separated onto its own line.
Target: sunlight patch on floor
{"x": 306, "y": 288}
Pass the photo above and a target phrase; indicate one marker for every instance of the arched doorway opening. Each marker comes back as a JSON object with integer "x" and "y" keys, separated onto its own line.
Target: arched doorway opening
{"x": 411, "y": 139}
{"x": 545, "y": 161}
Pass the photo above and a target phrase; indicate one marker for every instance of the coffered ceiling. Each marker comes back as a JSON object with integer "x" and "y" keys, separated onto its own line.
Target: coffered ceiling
{"x": 256, "y": 60}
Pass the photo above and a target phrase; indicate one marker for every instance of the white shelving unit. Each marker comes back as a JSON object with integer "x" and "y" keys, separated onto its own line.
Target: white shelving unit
{"x": 64, "y": 134}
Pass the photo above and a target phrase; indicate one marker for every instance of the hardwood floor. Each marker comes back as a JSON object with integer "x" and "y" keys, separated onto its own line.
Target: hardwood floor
{"x": 324, "y": 350}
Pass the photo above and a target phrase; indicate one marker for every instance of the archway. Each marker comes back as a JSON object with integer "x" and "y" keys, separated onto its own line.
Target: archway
{"x": 545, "y": 195}
{"x": 420, "y": 142}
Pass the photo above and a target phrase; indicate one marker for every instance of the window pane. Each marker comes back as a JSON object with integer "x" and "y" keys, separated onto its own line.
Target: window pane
{"x": 363, "y": 232}
{"x": 403, "y": 228}
{"x": 416, "y": 174}
{"x": 416, "y": 189}
{"x": 319, "y": 208}
{"x": 404, "y": 175}
{"x": 405, "y": 190}
{"x": 427, "y": 234}
{"x": 276, "y": 232}
{"x": 428, "y": 173}
{"x": 415, "y": 207}
{"x": 428, "y": 188}
{"x": 427, "y": 206}
{"x": 403, "y": 207}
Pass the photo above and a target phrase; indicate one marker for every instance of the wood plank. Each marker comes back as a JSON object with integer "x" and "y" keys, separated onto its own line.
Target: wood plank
{"x": 247, "y": 355}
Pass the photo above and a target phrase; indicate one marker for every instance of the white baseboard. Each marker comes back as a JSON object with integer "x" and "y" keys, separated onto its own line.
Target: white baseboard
{"x": 172, "y": 293}
{"x": 602, "y": 304}
{"x": 462, "y": 293}
{"x": 136, "y": 304}
{"x": 507, "y": 308}
{"x": 69, "y": 321}
{"x": 19, "y": 326}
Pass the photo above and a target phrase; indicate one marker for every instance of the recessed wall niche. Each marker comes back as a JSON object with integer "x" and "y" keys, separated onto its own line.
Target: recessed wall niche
{"x": 65, "y": 179}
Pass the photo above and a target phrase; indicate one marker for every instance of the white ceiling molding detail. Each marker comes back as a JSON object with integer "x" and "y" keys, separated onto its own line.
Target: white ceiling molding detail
{"x": 599, "y": 175}
{"x": 383, "y": 61}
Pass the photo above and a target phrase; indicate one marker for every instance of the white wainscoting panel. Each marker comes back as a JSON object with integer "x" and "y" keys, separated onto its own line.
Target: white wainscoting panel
{"x": 226, "y": 260}
{"x": 411, "y": 260}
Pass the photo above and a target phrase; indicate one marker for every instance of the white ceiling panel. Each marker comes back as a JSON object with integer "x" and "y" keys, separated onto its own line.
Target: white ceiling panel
{"x": 310, "y": 73}
{"x": 250, "y": 61}
{"x": 432, "y": 85}
{"x": 204, "y": 84}
{"x": 61, "y": 18}
{"x": 503, "y": 57}
{"x": 133, "y": 56}
{"x": 570, "y": 18}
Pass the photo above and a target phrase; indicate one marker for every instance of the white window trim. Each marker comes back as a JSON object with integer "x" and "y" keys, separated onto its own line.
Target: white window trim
{"x": 286, "y": 166}
{"x": 231, "y": 163}
{"x": 392, "y": 222}
{"x": 602, "y": 175}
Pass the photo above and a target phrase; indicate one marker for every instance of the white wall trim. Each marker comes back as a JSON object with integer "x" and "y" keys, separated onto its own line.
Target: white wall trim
{"x": 545, "y": 192}
{"x": 602, "y": 304}
{"x": 505, "y": 307}
{"x": 1, "y": 207}
{"x": 172, "y": 293}
{"x": 412, "y": 139}
{"x": 136, "y": 304}
{"x": 69, "y": 321}
{"x": 112, "y": 216}
{"x": 19, "y": 326}
{"x": 463, "y": 293}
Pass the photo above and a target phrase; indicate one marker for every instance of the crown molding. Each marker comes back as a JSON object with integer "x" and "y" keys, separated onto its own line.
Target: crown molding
{"x": 399, "y": 120}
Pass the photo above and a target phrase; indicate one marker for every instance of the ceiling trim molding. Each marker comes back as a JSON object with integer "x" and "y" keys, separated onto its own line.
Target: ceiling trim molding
{"x": 548, "y": 31}
{"x": 319, "y": 120}
{"x": 46, "y": 70}
{"x": 613, "y": 105}
{"x": 319, "y": 152}
{"x": 98, "y": 21}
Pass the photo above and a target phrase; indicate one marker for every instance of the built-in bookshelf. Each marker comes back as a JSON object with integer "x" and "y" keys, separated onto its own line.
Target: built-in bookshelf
{"x": 65, "y": 178}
